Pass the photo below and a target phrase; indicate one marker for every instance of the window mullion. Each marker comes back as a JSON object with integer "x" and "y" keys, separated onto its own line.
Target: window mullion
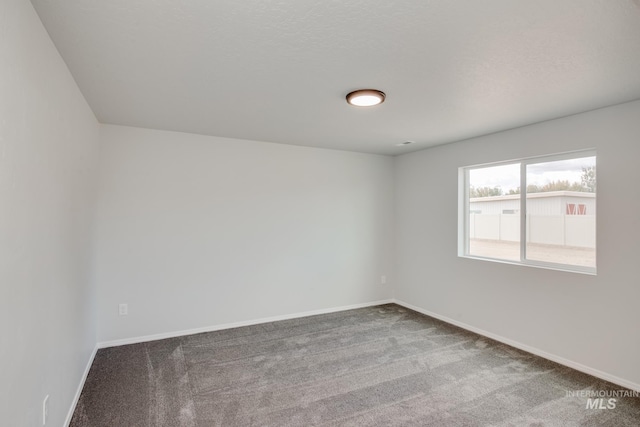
{"x": 523, "y": 212}
{"x": 467, "y": 211}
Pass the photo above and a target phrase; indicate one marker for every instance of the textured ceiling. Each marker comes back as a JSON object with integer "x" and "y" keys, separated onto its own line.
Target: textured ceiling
{"x": 278, "y": 71}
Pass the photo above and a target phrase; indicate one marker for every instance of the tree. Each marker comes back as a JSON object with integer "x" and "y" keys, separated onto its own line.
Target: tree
{"x": 484, "y": 191}
{"x": 532, "y": 188}
{"x": 589, "y": 179}
{"x": 562, "y": 185}
{"x": 587, "y": 184}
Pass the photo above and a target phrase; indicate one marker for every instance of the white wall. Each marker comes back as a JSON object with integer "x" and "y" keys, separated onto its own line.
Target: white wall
{"x": 196, "y": 231}
{"x": 591, "y": 320}
{"x": 48, "y": 136}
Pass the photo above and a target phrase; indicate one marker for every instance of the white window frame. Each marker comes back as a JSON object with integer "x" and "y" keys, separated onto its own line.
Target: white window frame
{"x": 464, "y": 212}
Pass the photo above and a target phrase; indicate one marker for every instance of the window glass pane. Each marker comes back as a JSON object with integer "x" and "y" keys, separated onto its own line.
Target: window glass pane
{"x": 561, "y": 212}
{"x": 493, "y": 220}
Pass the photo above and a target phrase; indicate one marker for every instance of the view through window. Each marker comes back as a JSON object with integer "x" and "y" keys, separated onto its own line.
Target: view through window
{"x": 551, "y": 223}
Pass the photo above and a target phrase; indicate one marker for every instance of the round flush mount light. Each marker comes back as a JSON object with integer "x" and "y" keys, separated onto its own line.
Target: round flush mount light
{"x": 402, "y": 144}
{"x": 365, "y": 97}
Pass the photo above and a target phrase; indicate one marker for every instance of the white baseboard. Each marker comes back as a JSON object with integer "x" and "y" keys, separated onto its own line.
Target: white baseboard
{"x": 76, "y": 398}
{"x": 561, "y": 360}
{"x": 154, "y": 337}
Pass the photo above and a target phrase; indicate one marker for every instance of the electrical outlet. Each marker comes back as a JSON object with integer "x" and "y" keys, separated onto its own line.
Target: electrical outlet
{"x": 45, "y": 410}
{"x": 383, "y": 280}
{"x": 123, "y": 309}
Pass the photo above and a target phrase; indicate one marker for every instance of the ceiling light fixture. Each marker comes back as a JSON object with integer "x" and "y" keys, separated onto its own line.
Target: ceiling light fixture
{"x": 365, "y": 97}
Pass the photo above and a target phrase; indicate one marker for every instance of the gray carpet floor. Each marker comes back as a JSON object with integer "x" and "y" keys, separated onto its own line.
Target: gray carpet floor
{"x": 377, "y": 366}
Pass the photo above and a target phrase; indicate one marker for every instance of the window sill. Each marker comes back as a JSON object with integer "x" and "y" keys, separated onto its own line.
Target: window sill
{"x": 546, "y": 266}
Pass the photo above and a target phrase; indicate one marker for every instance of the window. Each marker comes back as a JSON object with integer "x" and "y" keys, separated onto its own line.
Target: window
{"x": 538, "y": 211}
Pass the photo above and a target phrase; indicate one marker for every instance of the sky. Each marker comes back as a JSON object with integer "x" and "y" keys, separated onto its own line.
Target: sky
{"x": 507, "y": 177}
